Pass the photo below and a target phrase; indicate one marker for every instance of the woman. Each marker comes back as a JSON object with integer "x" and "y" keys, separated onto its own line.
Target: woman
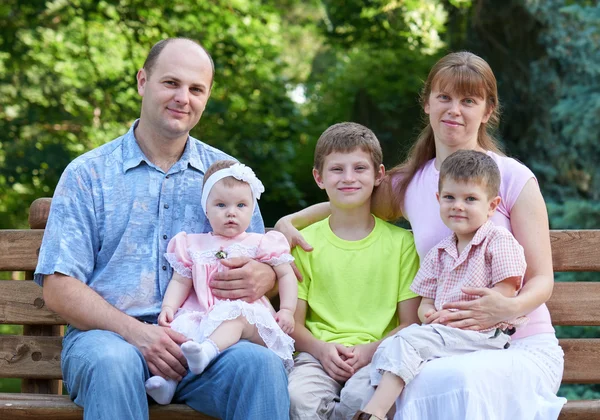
{"x": 461, "y": 101}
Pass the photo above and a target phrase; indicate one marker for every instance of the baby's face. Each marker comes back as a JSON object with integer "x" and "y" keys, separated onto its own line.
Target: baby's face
{"x": 465, "y": 206}
{"x": 229, "y": 208}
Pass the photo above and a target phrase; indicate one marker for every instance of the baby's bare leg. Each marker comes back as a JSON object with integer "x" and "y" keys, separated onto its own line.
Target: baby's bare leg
{"x": 385, "y": 396}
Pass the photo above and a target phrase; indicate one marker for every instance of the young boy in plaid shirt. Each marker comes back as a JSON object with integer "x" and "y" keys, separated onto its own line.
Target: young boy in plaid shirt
{"x": 477, "y": 254}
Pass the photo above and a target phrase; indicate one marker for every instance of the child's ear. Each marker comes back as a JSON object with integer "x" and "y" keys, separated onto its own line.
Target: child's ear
{"x": 494, "y": 205}
{"x": 437, "y": 196}
{"x": 379, "y": 174}
{"x": 318, "y": 178}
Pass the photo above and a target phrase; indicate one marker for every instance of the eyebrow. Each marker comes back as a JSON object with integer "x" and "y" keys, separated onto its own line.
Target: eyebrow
{"x": 177, "y": 79}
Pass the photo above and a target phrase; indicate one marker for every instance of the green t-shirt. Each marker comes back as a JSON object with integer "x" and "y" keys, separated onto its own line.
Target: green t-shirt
{"x": 353, "y": 287}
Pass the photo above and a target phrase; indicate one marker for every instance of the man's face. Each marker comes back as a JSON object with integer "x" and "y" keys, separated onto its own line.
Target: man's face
{"x": 177, "y": 89}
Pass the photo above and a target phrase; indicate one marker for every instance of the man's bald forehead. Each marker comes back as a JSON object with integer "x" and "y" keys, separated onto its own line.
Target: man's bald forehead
{"x": 158, "y": 48}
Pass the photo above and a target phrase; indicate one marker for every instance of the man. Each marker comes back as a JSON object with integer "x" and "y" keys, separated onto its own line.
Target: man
{"x": 103, "y": 269}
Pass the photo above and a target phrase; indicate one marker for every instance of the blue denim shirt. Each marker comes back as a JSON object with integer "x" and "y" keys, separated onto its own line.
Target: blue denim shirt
{"x": 113, "y": 214}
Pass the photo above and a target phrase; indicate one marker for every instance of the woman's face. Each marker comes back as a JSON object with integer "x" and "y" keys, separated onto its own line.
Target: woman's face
{"x": 455, "y": 118}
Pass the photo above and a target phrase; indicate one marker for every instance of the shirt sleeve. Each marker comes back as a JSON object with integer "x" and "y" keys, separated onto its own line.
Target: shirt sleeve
{"x": 408, "y": 269}
{"x": 71, "y": 241}
{"x": 274, "y": 249}
{"x": 257, "y": 224}
{"x": 301, "y": 260}
{"x": 506, "y": 257}
{"x": 514, "y": 176}
{"x": 178, "y": 255}
{"x": 425, "y": 282}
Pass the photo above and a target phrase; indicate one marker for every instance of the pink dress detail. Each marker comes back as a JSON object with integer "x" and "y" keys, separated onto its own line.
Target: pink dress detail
{"x": 197, "y": 256}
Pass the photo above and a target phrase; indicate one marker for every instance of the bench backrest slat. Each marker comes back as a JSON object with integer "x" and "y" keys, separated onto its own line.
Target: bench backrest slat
{"x": 30, "y": 357}
{"x": 575, "y": 250}
{"x": 19, "y": 249}
{"x": 21, "y": 303}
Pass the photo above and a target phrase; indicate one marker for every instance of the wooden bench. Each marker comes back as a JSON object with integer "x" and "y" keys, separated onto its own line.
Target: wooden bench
{"x": 35, "y": 355}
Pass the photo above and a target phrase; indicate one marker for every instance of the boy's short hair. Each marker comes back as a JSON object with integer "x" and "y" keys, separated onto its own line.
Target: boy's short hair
{"x": 344, "y": 138}
{"x": 471, "y": 166}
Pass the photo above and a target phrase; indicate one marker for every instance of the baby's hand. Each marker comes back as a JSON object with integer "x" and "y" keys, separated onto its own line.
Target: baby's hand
{"x": 165, "y": 317}
{"x": 285, "y": 319}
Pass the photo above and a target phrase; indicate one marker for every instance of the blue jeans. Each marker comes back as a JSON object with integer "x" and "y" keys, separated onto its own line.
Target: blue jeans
{"x": 105, "y": 375}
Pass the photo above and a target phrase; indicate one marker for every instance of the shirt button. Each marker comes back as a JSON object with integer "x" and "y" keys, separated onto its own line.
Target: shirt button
{"x": 167, "y": 177}
{"x": 164, "y": 236}
{"x": 166, "y": 206}
{"x": 164, "y": 267}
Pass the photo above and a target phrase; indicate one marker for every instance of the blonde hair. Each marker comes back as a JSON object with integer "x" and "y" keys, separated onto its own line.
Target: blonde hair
{"x": 466, "y": 74}
{"x": 229, "y": 181}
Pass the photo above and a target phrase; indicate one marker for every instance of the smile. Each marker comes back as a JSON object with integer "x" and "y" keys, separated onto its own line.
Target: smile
{"x": 452, "y": 123}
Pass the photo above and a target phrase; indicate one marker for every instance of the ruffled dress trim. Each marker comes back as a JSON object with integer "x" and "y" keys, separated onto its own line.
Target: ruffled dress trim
{"x": 199, "y": 326}
{"x": 178, "y": 266}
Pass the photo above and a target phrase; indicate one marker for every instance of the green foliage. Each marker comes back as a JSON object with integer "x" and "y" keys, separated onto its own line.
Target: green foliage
{"x": 68, "y": 84}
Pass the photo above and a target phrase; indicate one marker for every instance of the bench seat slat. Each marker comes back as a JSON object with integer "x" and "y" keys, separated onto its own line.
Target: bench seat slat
{"x": 581, "y": 410}
{"x": 21, "y": 303}
{"x": 59, "y": 407}
{"x": 30, "y": 357}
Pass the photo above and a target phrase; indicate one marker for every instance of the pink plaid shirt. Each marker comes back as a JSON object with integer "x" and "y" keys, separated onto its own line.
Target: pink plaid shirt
{"x": 492, "y": 256}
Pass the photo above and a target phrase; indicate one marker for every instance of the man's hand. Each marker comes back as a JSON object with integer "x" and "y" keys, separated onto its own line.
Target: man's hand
{"x": 247, "y": 280}
{"x": 160, "y": 348}
{"x": 332, "y": 356}
{"x": 166, "y": 316}
{"x": 285, "y": 319}
{"x": 361, "y": 355}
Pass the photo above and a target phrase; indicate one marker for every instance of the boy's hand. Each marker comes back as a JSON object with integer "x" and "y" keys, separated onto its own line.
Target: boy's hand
{"x": 285, "y": 319}
{"x": 434, "y": 318}
{"x": 361, "y": 355}
{"x": 166, "y": 316}
{"x": 330, "y": 357}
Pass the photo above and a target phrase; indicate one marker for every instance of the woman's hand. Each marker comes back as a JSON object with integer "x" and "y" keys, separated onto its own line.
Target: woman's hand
{"x": 285, "y": 226}
{"x": 489, "y": 309}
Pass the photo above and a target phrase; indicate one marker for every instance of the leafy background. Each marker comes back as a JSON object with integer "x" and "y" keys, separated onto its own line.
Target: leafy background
{"x": 286, "y": 70}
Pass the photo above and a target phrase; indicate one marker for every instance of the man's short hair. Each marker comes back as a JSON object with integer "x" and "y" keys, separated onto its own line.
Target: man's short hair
{"x": 344, "y": 138}
{"x": 157, "y": 48}
{"x": 471, "y": 166}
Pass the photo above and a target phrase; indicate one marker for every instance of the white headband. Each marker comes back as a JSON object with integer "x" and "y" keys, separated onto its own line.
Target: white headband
{"x": 240, "y": 172}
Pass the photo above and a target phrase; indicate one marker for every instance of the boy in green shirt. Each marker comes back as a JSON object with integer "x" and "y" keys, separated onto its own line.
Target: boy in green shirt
{"x": 355, "y": 289}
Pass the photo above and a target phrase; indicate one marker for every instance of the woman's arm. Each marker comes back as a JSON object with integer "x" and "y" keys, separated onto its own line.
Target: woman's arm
{"x": 529, "y": 222}
{"x": 291, "y": 224}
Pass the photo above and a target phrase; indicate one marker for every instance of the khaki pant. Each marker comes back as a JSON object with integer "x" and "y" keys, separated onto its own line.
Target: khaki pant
{"x": 315, "y": 395}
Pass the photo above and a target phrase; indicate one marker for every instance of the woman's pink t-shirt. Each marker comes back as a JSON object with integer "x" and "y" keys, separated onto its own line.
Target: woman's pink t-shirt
{"x": 422, "y": 210}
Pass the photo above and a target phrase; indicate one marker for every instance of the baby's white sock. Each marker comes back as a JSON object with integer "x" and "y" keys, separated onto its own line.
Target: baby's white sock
{"x": 199, "y": 355}
{"x": 161, "y": 389}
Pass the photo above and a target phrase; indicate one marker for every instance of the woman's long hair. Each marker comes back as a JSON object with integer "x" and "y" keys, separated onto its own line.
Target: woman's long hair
{"x": 465, "y": 74}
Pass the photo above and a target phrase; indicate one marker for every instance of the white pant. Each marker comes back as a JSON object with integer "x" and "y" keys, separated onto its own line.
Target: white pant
{"x": 406, "y": 353}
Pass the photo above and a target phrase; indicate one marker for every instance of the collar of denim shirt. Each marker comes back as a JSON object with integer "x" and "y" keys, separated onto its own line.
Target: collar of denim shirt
{"x": 133, "y": 155}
